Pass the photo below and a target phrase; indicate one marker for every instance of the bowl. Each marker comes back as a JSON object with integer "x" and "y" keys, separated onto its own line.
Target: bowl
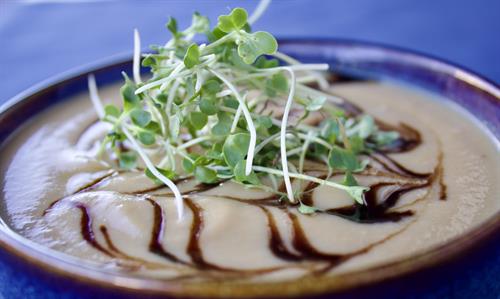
{"x": 29, "y": 270}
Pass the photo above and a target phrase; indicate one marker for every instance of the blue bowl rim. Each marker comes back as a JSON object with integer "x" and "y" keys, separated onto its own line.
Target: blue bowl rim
{"x": 434, "y": 257}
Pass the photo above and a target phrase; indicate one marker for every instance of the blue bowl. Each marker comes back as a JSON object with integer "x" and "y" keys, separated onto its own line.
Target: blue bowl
{"x": 28, "y": 270}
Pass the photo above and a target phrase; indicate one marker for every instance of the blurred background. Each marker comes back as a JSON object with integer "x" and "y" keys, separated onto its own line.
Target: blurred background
{"x": 39, "y": 39}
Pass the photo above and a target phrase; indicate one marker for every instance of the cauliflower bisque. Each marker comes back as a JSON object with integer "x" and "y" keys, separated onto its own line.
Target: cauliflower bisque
{"x": 437, "y": 181}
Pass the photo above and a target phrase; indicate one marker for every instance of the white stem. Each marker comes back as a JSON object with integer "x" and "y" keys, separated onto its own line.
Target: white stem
{"x": 305, "y": 146}
{"x": 275, "y": 121}
{"x": 177, "y": 194}
{"x": 182, "y": 154}
{"x": 218, "y": 42}
{"x": 236, "y": 119}
{"x": 301, "y": 177}
{"x": 171, "y": 96}
{"x": 192, "y": 142}
{"x": 169, "y": 155}
{"x": 320, "y": 78}
{"x": 284, "y": 160}
{"x": 306, "y": 79}
{"x": 248, "y": 118}
{"x": 156, "y": 114}
{"x": 173, "y": 75}
{"x": 299, "y": 67}
{"x": 137, "y": 57}
{"x": 294, "y": 152}
{"x": 333, "y": 98}
{"x": 315, "y": 139}
{"x": 199, "y": 81}
{"x": 266, "y": 141}
{"x": 223, "y": 93}
{"x": 94, "y": 96}
{"x": 259, "y": 10}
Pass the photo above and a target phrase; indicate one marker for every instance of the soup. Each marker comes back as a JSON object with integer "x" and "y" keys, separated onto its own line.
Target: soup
{"x": 435, "y": 183}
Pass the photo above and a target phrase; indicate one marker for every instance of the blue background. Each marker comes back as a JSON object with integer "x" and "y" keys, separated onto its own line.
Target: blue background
{"x": 39, "y": 40}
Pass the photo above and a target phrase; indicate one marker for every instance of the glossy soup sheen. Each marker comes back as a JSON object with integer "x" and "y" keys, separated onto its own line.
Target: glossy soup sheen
{"x": 433, "y": 186}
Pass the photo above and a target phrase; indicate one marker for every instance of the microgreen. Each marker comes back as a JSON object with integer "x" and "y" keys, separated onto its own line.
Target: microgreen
{"x": 127, "y": 160}
{"x": 202, "y": 104}
{"x": 172, "y": 26}
{"x": 316, "y": 103}
{"x": 234, "y": 21}
{"x": 205, "y": 175}
{"x": 256, "y": 44}
{"x": 306, "y": 210}
{"x": 235, "y": 148}
{"x": 192, "y": 56}
{"x": 343, "y": 159}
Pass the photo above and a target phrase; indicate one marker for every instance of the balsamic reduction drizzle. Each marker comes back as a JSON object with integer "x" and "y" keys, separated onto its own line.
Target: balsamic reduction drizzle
{"x": 378, "y": 209}
{"x": 157, "y": 233}
{"x": 88, "y": 232}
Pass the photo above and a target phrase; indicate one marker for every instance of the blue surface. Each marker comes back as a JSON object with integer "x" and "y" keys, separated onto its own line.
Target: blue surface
{"x": 41, "y": 40}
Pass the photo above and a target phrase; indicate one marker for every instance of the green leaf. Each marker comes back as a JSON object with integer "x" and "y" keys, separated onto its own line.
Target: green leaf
{"x": 235, "y": 148}
{"x": 264, "y": 121}
{"x": 307, "y": 210}
{"x": 264, "y": 63}
{"x": 235, "y": 59}
{"x": 330, "y": 130}
{"x": 192, "y": 56}
{"x": 215, "y": 34}
{"x": 357, "y": 144}
{"x": 349, "y": 179}
{"x": 240, "y": 176}
{"x": 198, "y": 119}
{"x": 116, "y": 136}
{"x": 316, "y": 103}
{"x": 148, "y": 61}
{"x": 140, "y": 117}
{"x": 385, "y": 137}
{"x": 214, "y": 155}
{"x": 211, "y": 87}
{"x": 278, "y": 83}
{"x": 169, "y": 174}
{"x": 231, "y": 102}
{"x": 205, "y": 175}
{"x": 342, "y": 159}
{"x": 162, "y": 98}
{"x": 236, "y": 20}
{"x": 146, "y": 138}
{"x": 130, "y": 99}
{"x": 172, "y": 26}
{"x": 188, "y": 165}
{"x": 208, "y": 106}
{"x": 256, "y": 44}
{"x": 190, "y": 86}
{"x": 215, "y": 152}
{"x": 112, "y": 110}
{"x": 364, "y": 128}
{"x": 153, "y": 127}
{"x": 357, "y": 193}
{"x": 223, "y": 126}
{"x": 127, "y": 160}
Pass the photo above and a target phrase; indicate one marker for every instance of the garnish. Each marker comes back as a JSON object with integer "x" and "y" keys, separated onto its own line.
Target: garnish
{"x": 200, "y": 112}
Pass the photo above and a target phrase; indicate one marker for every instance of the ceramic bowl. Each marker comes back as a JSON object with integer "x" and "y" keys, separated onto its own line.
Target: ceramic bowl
{"x": 28, "y": 270}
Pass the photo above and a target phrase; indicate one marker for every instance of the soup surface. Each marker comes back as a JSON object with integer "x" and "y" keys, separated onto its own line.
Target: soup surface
{"x": 57, "y": 194}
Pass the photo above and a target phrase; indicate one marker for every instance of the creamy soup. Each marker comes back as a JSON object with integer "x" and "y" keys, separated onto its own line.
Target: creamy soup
{"x": 438, "y": 182}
